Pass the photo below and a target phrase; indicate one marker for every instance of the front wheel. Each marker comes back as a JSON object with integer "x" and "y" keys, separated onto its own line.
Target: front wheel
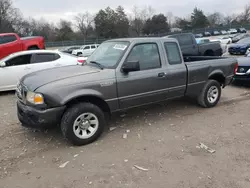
{"x": 83, "y": 123}
{"x": 210, "y": 94}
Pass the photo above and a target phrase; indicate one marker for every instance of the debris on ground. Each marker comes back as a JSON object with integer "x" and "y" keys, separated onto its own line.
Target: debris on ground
{"x": 64, "y": 164}
{"x": 140, "y": 168}
{"x": 203, "y": 146}
{"x": 76, "y": 155}
{"x": 122, "y": 115}
{"x": 128, "y": 131}
{"x": 125, "y": 136}
{"x": 112, "y": 128}
{"x": 126, "y": 160}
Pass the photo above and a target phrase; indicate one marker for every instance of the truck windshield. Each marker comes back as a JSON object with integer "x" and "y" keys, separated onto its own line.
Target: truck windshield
{"x": 109, "y": 53}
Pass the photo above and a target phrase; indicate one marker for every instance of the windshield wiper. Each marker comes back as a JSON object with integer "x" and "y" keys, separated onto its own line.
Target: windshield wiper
{"x": 98, "y": 64}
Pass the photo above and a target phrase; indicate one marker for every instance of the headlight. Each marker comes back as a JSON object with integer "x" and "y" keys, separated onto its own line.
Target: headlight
{"x": 34, "y": 98}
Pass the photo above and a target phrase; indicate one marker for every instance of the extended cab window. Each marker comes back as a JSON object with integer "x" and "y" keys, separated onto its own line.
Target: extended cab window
{"x": 173, "y": 53}
{"x": 7, "y": 39}
{"x": 20, "y": 60}
{"x": 93, "y": 47}
{"x": 147, "y": 55}
{"x": 46, "y": 57}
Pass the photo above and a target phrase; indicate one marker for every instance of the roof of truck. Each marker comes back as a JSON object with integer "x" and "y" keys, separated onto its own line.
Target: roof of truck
{"x": 142, "y": 39}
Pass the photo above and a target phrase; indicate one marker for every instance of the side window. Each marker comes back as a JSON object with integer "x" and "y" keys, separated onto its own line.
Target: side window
{"x": 173, "y": 53}
{"x": 20, "y": 60}
{"x": 46, "y": 57}
{"x": 56, "y": 56}
{"x": 185, "y": 40}
{"x": 7, "y": 39}
{"x": 86, "y": 47}
{"x": 93, "y": 47}
{"x": 147, "y": 54}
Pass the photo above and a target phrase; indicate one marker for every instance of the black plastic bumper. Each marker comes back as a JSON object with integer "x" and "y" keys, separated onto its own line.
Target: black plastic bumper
{"x": 245, "y": 78}
{"x": 31, "y": 117}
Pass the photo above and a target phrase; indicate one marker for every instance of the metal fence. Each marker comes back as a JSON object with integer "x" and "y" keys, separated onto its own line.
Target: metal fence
{"x": 49, "y": 44}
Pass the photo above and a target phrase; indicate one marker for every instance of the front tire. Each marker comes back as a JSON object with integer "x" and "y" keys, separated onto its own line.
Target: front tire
{"x": 83, "y": 123}
{"x": 210, "y": 94}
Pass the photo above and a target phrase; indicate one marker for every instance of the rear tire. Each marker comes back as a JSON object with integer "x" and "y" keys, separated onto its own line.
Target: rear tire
{"x": 210, "y": 94}
{"x": 78, "y": 54}
{"x": 33, "y": 48}
{"x": 83, "y": 123}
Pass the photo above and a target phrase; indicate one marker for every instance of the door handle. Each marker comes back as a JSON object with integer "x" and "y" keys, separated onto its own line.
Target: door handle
{"x": 162, "y": 75}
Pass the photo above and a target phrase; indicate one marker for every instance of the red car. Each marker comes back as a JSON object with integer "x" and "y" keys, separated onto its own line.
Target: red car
{"x": 11, "y": 43}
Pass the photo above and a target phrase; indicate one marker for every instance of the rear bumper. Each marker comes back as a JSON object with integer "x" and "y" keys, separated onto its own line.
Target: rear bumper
{"x": 237, "y": 52}
{"x": 245, "y": 77}
{"x": 31, "y": 117}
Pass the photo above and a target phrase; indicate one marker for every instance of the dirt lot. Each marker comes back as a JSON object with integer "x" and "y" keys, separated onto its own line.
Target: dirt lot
{"x": 161, "y": 138}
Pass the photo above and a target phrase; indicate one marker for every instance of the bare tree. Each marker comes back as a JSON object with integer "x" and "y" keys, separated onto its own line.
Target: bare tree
{"x": 139, "y": 18}
{"x": 215, "y": 18}
{"x": 170, "y": 18}
{"x": 84, "y": 22}
{"x": 244, "y": 18}
{"x": 10, "y": 17}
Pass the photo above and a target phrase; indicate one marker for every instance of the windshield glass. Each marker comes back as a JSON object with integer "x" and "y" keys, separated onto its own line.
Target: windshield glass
{"x": 109, "y": 53}
{"x": 244, "y": 41}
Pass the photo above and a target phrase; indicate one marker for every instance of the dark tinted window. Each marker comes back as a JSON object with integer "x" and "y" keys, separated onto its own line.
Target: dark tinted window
{"x": 147, "y": 55}
{"x": 40, "y": 58}
{"x": 185, "y": 39}
{"x": 93, "y": 46}
{"x": 20, "y": 60}
{"x": 7, "y": 39}
{"x": 86, "y": 47}
{"x": 173, "y": 53}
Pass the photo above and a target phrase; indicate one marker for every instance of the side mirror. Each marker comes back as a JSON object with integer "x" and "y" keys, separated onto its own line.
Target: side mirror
{"x": 130, "y": 66}
{"x": 2, "y": 64}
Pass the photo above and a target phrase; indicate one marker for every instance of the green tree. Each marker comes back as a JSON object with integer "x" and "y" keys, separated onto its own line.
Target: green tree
{"x": 156, "y": 25}
{"x": 198, "y": 19}
{"x": 122, "y": 22}
{"x": 64, "y": 31}
{"x": 182, "y": 23}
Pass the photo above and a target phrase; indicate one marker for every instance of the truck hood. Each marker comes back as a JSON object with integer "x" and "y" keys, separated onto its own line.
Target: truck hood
{"x": 37, "y": 79}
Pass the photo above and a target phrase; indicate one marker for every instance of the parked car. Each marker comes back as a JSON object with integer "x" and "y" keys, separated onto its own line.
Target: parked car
{"x": 222, "y": 39}
{"x": 85, "y": 50}
{"x": 16, "y": 65}
{"x": 239, "y": 37}
{"x": 223, "y": 32}
{"x": 248, "y": 52}
{"x": 11, "y": 43}
{"x": 190, "y": 47}
{"x": 207, "y": 34}
{"x": 241, "y": 30}
{"x": 120, "y": 74}
{"x": 198, "y": 35}
{"x": 232, "y": 31}
{"x": 215, "y": 33}
{"x": 69, "y": 49}
{"x": 240, "y": 47}
{"x": 243, "y": 72}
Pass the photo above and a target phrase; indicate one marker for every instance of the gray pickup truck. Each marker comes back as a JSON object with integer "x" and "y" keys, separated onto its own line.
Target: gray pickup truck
{"x": 189, "y": 46}
{"x": 120, "y": 74}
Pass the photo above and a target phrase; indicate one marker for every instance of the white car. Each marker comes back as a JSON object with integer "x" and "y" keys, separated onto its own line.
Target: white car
{"x": 16, "y": 65}
{"x": 232, "y": 31}
{"x": 85, "y": 50}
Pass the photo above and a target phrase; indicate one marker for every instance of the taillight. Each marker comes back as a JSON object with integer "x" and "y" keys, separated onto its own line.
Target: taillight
{"x": 81, "y": 61}
{"x": 236, "y": 68}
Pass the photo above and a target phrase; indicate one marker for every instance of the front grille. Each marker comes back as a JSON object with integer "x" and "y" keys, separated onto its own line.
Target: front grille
{"x": 242, "y": 69}
{"x": 21, "y": 92}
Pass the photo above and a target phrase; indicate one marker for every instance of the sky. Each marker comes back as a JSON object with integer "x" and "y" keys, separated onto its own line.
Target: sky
{"x": 54, "y": 10}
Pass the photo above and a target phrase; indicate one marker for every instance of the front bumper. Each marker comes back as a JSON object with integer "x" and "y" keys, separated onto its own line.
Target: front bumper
{"x": 241, "y": 51}
{"x": 31, "y": 117}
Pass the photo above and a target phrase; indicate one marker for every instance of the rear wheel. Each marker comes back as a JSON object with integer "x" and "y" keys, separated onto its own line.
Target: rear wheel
{"x": 79, "y": 53}
{"x": 210, "y": 94}
{"x": 33, "y": 48}
{"x": 83, "y": 123}
{"x": 209, "y": 53}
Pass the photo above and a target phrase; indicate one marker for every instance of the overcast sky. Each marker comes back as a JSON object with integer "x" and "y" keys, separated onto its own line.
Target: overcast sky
{"x": 54, "y": 10}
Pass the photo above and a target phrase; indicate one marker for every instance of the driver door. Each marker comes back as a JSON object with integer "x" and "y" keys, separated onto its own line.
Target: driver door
{"x": 14, "y": 70}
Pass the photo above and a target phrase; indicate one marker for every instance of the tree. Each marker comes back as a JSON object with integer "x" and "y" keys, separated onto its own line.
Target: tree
{"x": 156, "y": 25}
{"x": 215, "y": 19}
{"x": 122, "y": 22}
{"x": 10, "y": 17}
{"x": 244, "y": 18}
{"x": 139, "y": 18}
{"x": 198, "y": 19}
{"x": 182, "y": 23}
{"x": 64, "y": 31}
{"x": 84, "y": 23}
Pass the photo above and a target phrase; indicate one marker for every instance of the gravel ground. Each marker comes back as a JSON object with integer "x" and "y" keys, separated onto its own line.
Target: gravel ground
{"x": 161, "y": 149}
